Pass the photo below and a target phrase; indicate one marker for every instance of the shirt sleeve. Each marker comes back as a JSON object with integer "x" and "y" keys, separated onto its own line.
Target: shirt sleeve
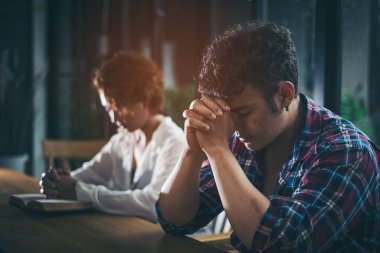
{"x": 99, "y": 169}
{"x": 136, "y": 202}
{"x": 332, "y": 198}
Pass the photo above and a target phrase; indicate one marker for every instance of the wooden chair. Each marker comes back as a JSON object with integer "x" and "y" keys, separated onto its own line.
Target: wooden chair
{"x": 66, "y": 150}
{"x": 220, "y": 238}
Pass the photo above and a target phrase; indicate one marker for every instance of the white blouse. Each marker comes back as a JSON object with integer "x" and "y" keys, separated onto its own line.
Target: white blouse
{"x": 106, "y": 179}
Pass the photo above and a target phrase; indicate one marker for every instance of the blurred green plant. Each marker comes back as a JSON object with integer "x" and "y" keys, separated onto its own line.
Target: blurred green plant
{"x": 177, "y": 99}
{"x": 354, "y": 109}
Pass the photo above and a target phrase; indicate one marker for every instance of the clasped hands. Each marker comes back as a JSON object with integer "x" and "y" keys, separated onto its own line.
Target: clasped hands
{"x": 208, "y": 125}
{"x": 58, "y": 184}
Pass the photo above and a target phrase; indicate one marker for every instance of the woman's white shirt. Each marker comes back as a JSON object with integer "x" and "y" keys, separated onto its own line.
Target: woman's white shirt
{"x": 107, "y": 181}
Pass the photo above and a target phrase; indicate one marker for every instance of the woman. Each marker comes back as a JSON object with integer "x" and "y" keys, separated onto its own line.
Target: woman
{"x": 126, "y": 176}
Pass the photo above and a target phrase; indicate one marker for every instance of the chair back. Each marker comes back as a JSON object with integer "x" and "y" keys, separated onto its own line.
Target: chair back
{"x": 65, "y": 150}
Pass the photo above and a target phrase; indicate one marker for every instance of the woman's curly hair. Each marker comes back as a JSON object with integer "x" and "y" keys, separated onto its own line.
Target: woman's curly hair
{"x": 129, "y": 78}
{"x": 259, "y": 54}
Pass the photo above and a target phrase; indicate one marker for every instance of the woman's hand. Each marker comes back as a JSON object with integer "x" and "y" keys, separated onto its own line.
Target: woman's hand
{"x": 58, "y": 184}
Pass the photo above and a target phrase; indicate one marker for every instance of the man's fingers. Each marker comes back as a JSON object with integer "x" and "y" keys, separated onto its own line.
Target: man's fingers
{"x": 223, "y": 104}
{"x": 209, "y": 107}
{"x": 189, "y": 113}
{"x": 196, "y": 124}
{"x": 203, "y": 109}
{"x": 216, "y": 105}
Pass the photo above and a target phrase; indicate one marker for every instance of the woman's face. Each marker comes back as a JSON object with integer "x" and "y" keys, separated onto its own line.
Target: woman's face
{"x": 131, "y": 117}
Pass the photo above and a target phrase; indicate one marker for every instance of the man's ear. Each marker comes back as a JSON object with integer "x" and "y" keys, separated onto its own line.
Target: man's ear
{"x": 287, "y": 93}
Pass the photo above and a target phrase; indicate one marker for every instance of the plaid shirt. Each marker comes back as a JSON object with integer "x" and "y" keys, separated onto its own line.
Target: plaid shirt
{"x": 327, "y": 197}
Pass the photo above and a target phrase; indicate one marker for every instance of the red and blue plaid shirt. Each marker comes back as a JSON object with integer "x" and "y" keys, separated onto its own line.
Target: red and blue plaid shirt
{"x": 327, "y": 197}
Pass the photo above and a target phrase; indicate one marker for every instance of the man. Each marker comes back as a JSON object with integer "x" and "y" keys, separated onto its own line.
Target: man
{"x": 126, "y": 176}
{"x": 291, "y": 176}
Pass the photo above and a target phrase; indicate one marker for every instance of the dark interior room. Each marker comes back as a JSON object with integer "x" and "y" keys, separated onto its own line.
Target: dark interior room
{"x": 51, "y": 102}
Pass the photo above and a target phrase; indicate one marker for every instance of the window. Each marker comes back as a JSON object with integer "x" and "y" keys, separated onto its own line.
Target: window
{"x": 360, "y": 54}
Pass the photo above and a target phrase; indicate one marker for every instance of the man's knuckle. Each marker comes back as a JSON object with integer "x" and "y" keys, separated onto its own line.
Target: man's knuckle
{"x": 194, "y": 103}
{"x": 185, "y": 113}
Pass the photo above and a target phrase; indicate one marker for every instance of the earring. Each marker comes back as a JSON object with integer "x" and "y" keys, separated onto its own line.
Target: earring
{"x": 286, "y": 108}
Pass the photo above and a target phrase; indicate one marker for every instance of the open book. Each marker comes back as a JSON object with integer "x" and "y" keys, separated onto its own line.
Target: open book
{"x": 39, "y": 202}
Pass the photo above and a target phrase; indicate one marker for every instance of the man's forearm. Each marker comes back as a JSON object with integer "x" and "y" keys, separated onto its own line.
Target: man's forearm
{"x": 179, "y": 198}
{"x": 243, "y": 203}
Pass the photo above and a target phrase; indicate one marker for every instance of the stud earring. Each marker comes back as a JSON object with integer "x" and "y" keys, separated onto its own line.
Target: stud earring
{"x": 286, "y": 108}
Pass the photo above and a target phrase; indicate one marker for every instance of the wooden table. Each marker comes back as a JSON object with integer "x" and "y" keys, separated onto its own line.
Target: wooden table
{"x": 94, "y": 231}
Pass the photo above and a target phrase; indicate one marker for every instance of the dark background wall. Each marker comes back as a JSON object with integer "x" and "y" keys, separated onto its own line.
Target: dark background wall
{"x": 15, "y": 70}
{"x": 50, "y": 49}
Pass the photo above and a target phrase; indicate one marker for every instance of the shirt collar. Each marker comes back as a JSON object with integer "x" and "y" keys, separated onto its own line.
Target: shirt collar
{"x": 311, "y": 129}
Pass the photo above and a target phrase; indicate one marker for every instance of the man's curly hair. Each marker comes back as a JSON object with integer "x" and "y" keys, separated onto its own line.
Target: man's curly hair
{"x": 259, "y": 54}
{"x": 129, "y": 78}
